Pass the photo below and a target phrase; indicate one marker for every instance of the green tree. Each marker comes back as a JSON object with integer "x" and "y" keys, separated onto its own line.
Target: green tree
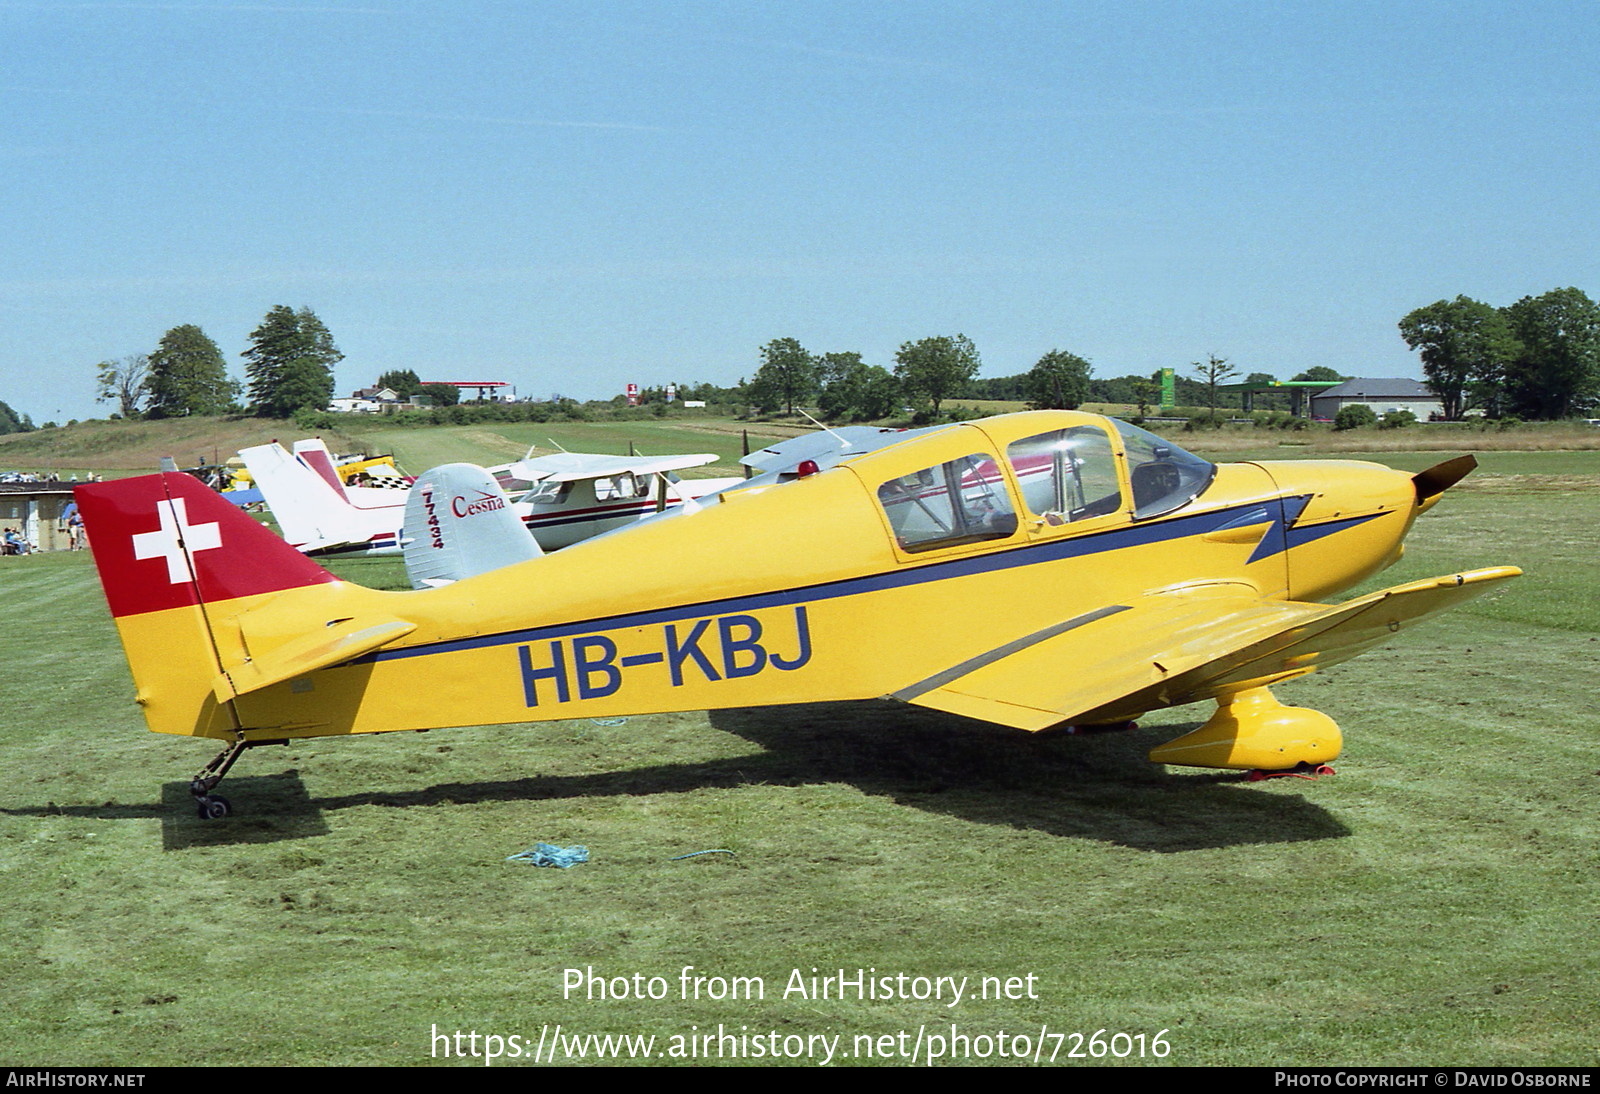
{"x": 291, "y": 359}
{"x": 1465, "y": 347}
{"x": 1213, "y": 372}
{"x": 403, "y": 382}
{"x": 936, "y": 368}
{"x": 11, "y": 422}
{"x": 1322, "y": 374}
{"x": 1059, "y": 381}
{"x": 1354, "y": 416}
{"x": 1557, "y": 374}
{"x": 1146, "y": 390}
{"x": 188, "y": 376}
{"x": 788, "y": 374}
{"x": 853, "y": 391}
{"x": 122, "y": 382}
{"x": 441, "y": 394}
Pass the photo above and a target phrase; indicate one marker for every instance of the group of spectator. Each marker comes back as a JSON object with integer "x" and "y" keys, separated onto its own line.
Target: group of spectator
{"x": 43, "y": 476}
{"x": 13, "y": 542}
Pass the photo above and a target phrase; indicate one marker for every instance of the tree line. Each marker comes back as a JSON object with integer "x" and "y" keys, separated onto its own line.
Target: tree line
{"x": 927, "y": 373}
{"x": 933, "y": 371}
{"x": 1536, "y": 359}
{"x": 288, "y": 367}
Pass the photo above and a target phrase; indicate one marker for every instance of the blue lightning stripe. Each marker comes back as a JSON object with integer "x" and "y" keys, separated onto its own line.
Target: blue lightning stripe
{"x": 1276, "y": 538}
{"x": 1300, "y": 536}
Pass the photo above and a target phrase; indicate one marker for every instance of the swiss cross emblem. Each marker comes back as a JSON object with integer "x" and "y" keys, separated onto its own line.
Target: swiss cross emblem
{"x": 173, "y": 536}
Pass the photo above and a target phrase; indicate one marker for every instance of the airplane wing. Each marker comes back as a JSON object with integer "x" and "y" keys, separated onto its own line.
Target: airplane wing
{"x": 572, "y": 466}
{"x": 1171, "y": 648}
{"x": 828, "y": 447}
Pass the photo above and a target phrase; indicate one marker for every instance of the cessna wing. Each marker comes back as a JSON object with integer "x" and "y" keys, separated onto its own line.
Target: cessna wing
{"x": 826, "y": 448}
{"x": 1171, "y": 648}
{"x": 574, "y": 466}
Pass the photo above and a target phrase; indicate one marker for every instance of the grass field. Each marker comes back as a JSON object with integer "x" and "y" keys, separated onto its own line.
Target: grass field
{"x": 1432, "y": 904}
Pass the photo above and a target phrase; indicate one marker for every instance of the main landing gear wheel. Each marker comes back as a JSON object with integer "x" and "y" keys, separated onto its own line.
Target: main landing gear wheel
{"x": 215, "y": 807}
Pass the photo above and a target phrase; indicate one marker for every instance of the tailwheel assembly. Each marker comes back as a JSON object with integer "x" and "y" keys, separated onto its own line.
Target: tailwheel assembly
{"x": 214, "y": 806}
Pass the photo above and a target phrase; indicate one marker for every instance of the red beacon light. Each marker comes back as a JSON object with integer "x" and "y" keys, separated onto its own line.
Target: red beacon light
{"x": 806, "y": 468}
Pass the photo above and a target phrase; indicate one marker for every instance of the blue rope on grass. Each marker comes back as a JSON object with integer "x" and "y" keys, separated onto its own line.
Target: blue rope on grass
{"x": 548, "y": 854}
{"x": 697, "y": 854}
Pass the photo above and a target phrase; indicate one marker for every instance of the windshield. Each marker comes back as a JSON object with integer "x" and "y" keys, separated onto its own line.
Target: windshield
{"x": 1164, "y": 476}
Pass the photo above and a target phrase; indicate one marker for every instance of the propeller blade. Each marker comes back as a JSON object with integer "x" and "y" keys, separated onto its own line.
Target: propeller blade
{"x": 1442, "y": 476}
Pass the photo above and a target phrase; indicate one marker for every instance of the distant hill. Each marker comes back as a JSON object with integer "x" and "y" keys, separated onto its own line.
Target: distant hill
{"x": 121, "y": 446}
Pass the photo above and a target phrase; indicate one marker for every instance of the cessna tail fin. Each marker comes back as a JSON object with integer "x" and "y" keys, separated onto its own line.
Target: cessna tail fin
{"x": 458, "y": 523}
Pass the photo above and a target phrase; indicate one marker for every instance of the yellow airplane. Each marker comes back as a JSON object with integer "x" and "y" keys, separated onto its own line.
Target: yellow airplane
{"x": 1029, "y": 570}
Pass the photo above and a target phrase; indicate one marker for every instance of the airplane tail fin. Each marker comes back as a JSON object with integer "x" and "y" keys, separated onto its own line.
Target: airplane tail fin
{"x": 172, "y": 554}
{"x": 313, "y": 452}
{"x": 458, "y": 523}
{"x": 311, "y": 512}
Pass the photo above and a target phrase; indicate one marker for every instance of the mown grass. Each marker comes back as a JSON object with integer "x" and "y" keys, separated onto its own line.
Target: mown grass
{"x": 1432, "y": 904}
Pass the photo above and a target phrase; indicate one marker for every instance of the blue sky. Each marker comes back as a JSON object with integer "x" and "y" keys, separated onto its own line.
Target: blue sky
{"x": 574, "y": 196}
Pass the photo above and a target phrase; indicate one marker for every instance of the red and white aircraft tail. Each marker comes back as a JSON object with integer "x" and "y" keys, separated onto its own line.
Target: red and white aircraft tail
{"x": 180, "y": 566}
{"x": 316, "y": 512}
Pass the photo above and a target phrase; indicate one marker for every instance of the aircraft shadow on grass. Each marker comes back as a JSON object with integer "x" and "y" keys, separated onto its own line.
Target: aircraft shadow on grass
{"x": 1085, "y": 787}
{"x": 281, "y": 806}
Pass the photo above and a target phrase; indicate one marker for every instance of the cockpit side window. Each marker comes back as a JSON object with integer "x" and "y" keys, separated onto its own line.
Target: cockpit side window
{"x": 1164, "y": 476}
{"x": 1068, "y": 474}
{"x": 623, "y": 487}
{"x": 961, "y": 501}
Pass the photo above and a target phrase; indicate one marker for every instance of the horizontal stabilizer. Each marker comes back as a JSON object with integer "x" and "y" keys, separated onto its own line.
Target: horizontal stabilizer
{"x": 1178, "y": 647}
{"x": 339, "y": 641}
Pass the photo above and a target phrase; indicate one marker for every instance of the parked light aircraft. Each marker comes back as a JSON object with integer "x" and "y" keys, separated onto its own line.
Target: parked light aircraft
{"x": 1028, "y": 570}
{"x": 568, "y": 496}
{"x": 561, "y": 498}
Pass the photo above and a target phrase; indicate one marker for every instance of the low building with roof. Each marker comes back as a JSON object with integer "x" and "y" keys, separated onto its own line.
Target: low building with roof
{"x": 1382, "y": 394}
